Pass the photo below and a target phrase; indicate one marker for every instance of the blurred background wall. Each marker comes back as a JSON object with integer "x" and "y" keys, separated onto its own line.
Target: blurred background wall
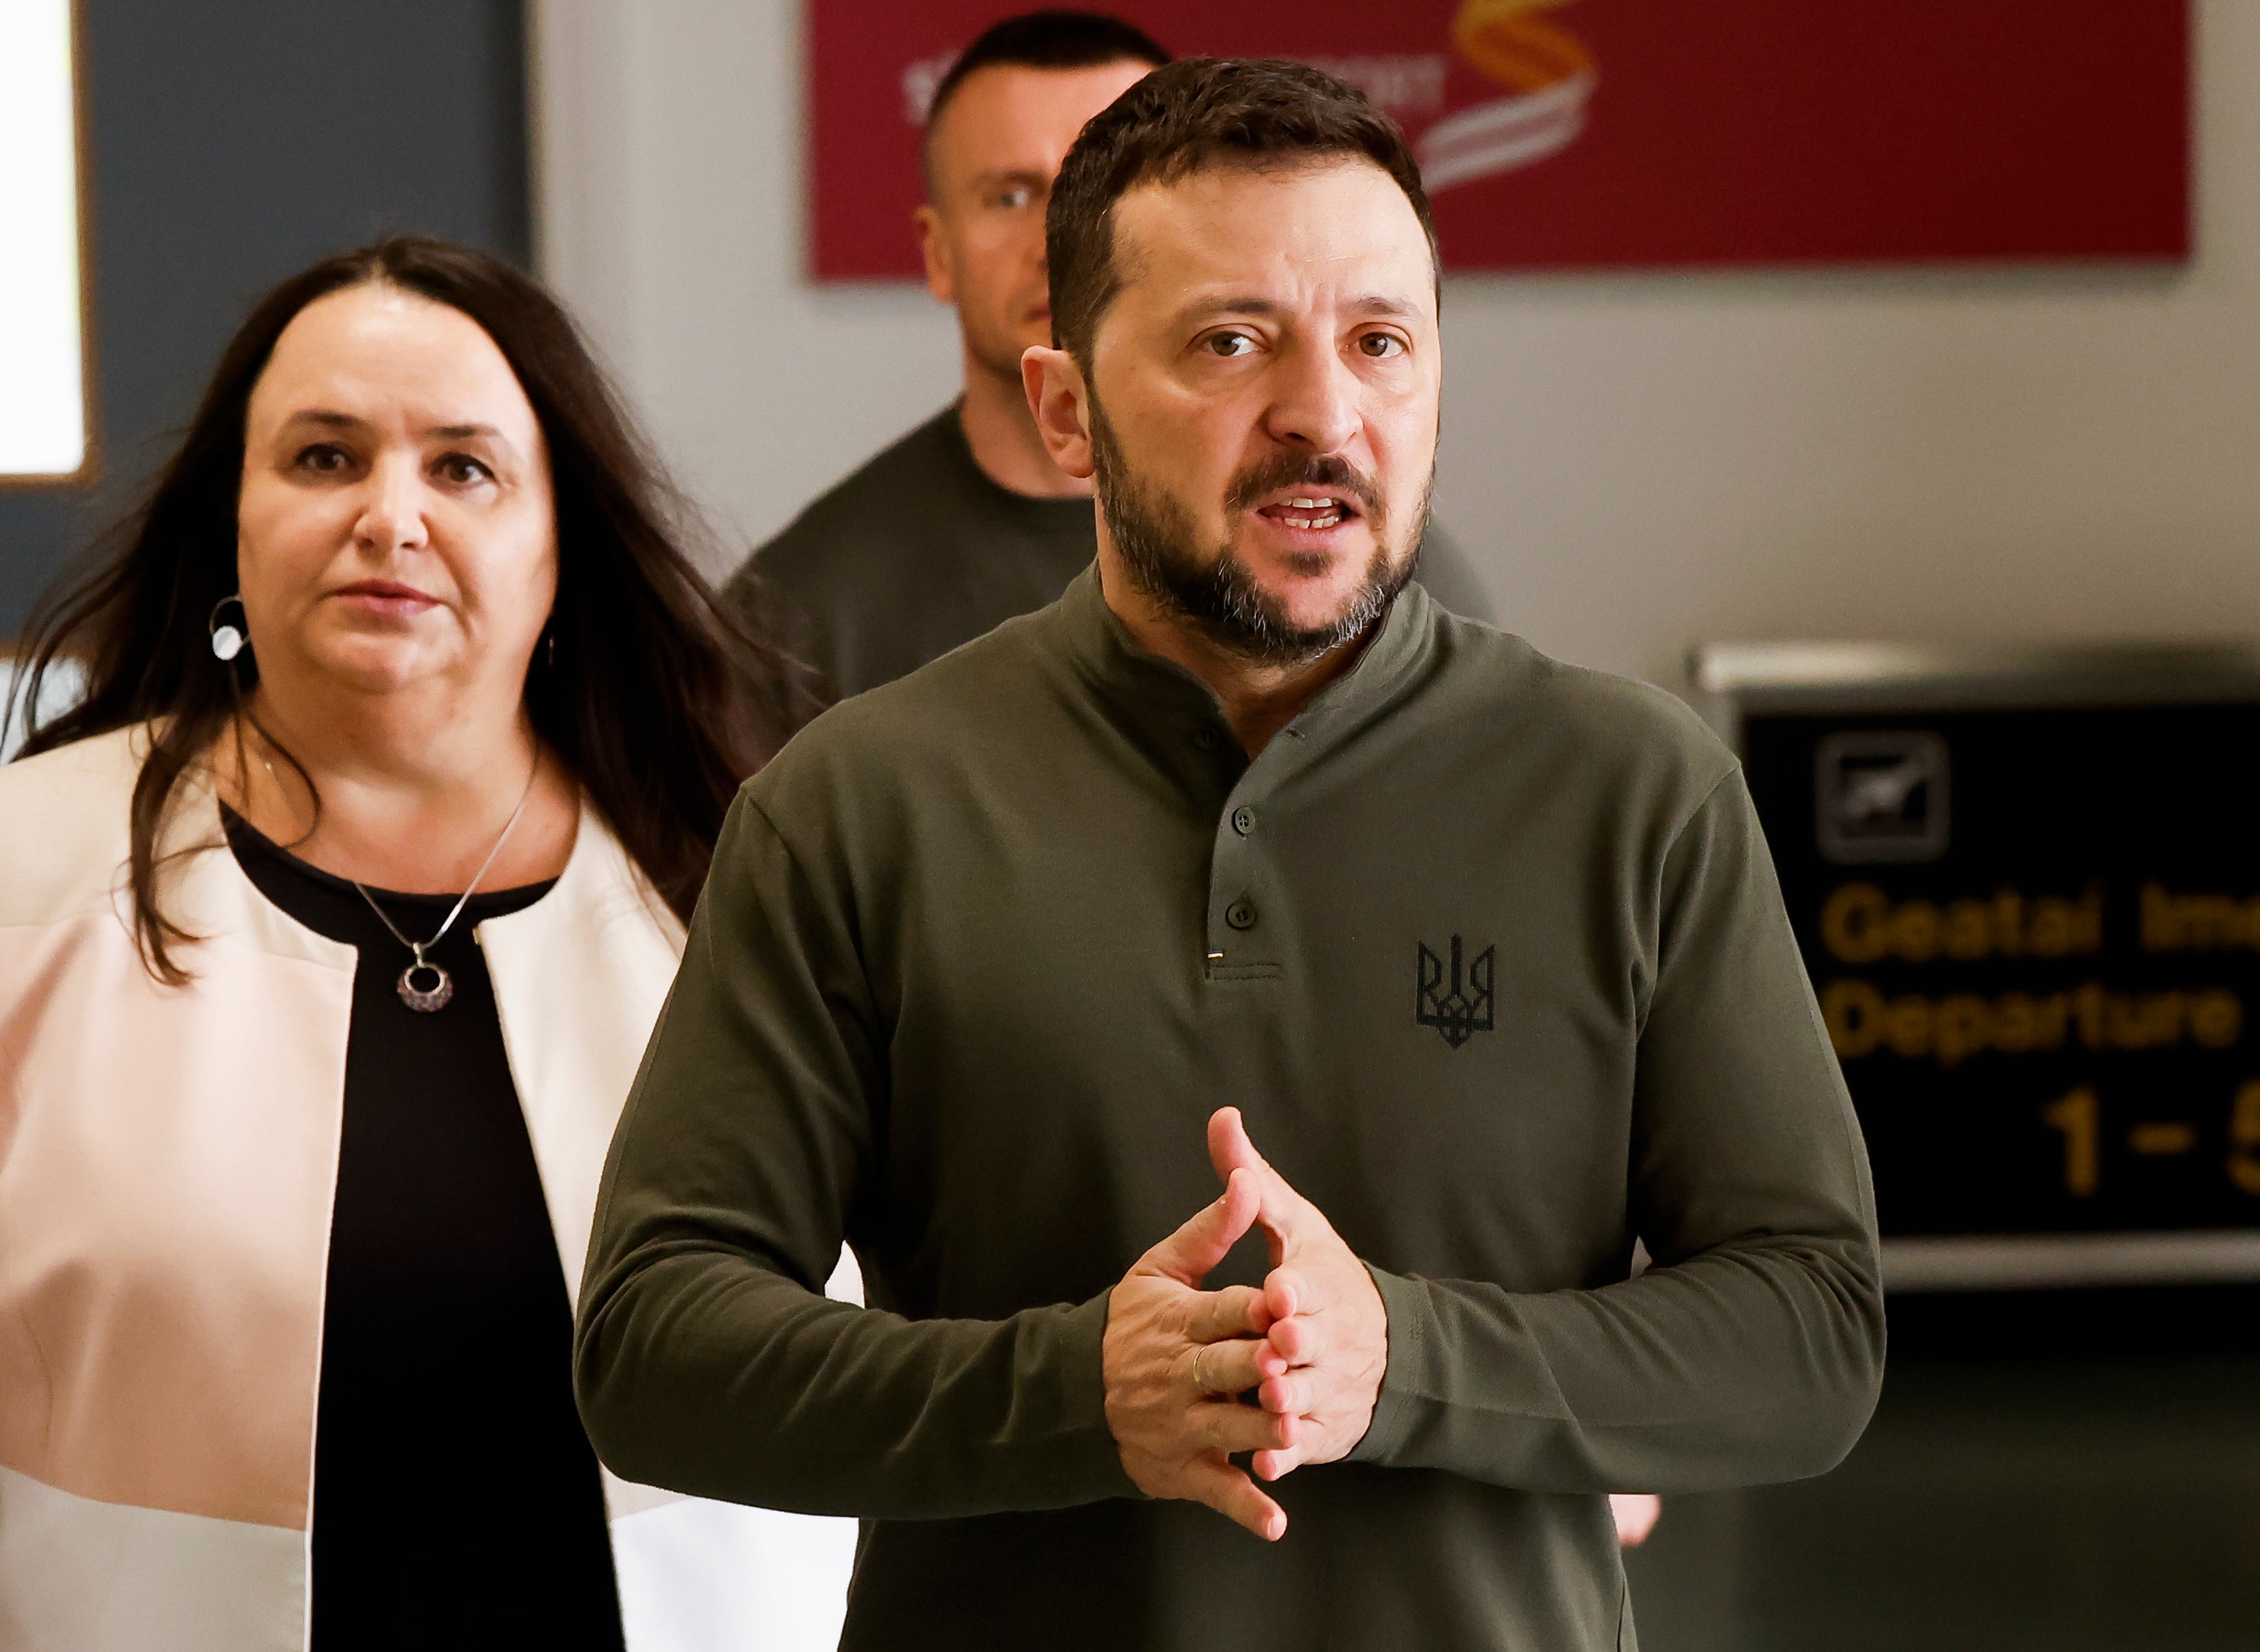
{"x": 231, "y": 142}
{"x": 1637, "y": 463}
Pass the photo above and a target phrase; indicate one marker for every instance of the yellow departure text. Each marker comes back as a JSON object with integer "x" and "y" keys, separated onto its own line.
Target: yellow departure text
{"x": 2198, "y": 923}
{"x": 1860, "y": 925}
{"x": 1862, "y": 1021}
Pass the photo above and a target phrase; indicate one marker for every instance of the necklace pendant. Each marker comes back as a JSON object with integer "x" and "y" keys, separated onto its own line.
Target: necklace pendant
{"x": 431, "y": 997}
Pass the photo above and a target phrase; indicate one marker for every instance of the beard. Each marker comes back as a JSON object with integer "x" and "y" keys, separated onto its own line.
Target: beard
{"x": 1215, "y": 592}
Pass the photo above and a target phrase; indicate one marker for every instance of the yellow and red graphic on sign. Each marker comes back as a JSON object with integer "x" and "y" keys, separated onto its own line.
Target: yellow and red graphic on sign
{"x": 1548, "y": 73}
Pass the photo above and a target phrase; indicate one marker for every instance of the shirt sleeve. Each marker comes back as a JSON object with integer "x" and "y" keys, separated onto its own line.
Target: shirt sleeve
{"x": 706, "y": 1358}
{"x": 1752, "y": 1350}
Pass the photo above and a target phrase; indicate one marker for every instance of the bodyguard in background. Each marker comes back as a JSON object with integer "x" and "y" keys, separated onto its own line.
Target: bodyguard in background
{"x": 333, "y": 921}
{"x": 966, "y": 521}
{"x": 1005, "y": 968}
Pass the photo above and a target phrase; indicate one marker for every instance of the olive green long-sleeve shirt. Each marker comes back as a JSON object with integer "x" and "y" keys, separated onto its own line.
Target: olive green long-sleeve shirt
{"x": 1490, "y": 952}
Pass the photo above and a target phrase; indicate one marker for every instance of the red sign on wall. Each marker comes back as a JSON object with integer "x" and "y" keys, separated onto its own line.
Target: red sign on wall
{"x": 1594, "y": 134}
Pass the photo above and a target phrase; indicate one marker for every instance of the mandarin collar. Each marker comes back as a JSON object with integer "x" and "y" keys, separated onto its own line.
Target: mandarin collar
{"x": 1166, "y": 701}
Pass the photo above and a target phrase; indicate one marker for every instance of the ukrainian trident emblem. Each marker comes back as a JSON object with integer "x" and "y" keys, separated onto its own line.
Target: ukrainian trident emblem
{"x": 1458, "y": 1004}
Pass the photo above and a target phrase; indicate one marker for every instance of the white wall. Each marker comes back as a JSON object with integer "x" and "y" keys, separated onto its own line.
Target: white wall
{"x": 1636, "y": 463}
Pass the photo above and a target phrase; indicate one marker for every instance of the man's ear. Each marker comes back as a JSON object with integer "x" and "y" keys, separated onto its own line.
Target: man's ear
{"x": 927, "y": 221}
{"x": 1060, "y": 403}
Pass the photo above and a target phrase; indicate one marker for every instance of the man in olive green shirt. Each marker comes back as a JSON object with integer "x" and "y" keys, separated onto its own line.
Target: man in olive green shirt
{"x": 1007, "y": 970}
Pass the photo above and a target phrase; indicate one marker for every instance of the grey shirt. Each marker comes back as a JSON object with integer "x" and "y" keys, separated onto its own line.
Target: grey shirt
{"x": 1490, "y": 951}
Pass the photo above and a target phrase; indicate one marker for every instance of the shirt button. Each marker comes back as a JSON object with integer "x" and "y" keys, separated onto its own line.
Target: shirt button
{"x": 1243, "y": 819}
{"x": 1205, "y": 739}
{"x": 1240, "y": 914}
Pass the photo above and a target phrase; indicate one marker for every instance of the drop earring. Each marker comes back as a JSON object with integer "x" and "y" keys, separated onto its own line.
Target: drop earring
{"x": 228, "y": 641}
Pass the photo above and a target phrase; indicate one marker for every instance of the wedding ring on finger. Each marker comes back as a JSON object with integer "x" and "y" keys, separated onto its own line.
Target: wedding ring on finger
{"x": 1200, "y": 1381}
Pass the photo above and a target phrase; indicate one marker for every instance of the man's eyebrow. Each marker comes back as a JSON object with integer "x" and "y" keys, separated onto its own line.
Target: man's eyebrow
{"x": 1370, "y": 303}
{"x": 1382, "y": 303}
{"x": 996, "y": 175}
{"x": 1230, "y": 304}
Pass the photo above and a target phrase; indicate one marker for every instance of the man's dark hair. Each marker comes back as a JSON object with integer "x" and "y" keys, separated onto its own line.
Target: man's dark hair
{"x": 1042, "y": 39}
{"x": 1201, "y": 113}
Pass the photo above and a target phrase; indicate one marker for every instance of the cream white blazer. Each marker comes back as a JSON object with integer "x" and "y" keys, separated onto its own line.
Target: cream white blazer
{"x": 167, "y": 1167}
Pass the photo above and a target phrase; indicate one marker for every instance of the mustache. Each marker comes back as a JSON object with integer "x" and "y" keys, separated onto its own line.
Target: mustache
{"x": 1330, "y": 471}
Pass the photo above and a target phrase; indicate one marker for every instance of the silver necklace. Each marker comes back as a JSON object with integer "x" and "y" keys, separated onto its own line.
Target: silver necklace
{"x": 435, "y": 996}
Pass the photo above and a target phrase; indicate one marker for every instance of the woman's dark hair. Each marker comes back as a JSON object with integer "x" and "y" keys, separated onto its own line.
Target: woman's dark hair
{"x": 1196, "y": 113}
{"x": 654, "y": 695}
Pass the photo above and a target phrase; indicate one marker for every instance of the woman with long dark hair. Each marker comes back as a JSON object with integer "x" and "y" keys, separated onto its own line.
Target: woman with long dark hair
{"x": 337, "y": 913}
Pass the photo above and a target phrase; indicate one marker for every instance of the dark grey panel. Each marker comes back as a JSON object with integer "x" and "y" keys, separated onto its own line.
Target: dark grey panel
{"x": 233, "y": 141}
{"x": 1997, "y": 1505}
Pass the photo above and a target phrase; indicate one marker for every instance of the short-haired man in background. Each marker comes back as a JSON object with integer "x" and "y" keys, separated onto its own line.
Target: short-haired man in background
{"x": 966, "y": 522}
{"x": 1004, "y": 967}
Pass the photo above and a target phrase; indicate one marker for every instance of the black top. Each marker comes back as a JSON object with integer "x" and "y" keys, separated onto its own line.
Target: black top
{"x": 920, "y": 550}
{"x": 456, "y": 1501}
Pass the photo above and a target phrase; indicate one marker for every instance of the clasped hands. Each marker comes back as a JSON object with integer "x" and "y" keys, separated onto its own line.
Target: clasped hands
{"x": 1312, "y": 1345}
